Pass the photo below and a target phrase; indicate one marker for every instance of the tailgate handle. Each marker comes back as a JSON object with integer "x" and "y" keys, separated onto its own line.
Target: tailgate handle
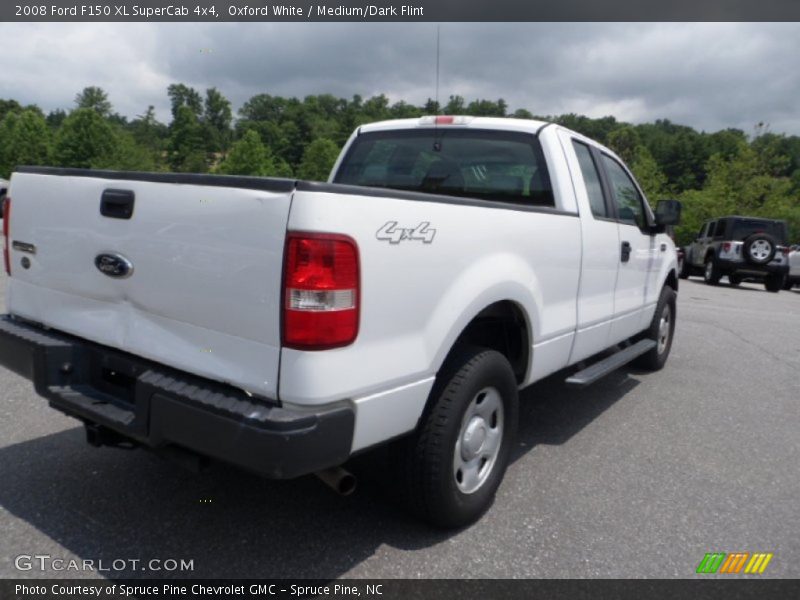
{"x": 117, "y": 204}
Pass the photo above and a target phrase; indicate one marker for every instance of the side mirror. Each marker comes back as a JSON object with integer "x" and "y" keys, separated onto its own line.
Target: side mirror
{"x": 668, "y": 212}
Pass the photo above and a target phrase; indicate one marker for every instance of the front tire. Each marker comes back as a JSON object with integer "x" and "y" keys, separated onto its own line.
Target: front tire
{"x": 684, "y": 269}
{"x": 711, "y": 274}
{"x": 661, "y": 330}
{"x": 454, "y": 463}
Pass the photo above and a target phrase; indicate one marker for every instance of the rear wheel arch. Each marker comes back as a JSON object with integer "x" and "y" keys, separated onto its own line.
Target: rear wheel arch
{"x": 503, "y": 326}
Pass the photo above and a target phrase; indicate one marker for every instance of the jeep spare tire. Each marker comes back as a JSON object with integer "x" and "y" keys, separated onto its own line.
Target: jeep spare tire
{"x": 759, "y": 248}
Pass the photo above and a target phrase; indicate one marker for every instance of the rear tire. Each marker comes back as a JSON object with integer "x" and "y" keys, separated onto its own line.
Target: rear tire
{"x": 774, "y": 283}
{"x": 734, "y": 280}
{"x": 788, "y": 284}
{"x": 453, "y": 464}
{"x": 661, "y": 330}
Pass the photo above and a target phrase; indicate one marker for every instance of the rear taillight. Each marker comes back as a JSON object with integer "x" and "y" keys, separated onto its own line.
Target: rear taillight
{"x": 320, "y": 291}
{"x": 726, "y": 246}
{"x": 6, "y": 218}
{"x": 786, "y": 250}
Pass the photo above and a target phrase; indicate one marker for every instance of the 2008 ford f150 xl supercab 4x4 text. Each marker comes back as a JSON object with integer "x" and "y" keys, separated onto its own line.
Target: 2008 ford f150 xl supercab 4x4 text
{"x": 283, "y": 326}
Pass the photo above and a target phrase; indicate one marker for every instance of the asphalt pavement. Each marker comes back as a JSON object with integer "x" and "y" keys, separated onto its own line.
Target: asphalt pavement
{"x": 639, "y": 475}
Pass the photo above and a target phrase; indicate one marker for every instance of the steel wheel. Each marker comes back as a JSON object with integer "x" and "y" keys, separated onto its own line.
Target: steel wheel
{"x": 661, "y": 331}
{"x": 451, "y": 467}
{"x": 479, "y": 440}
{"x": 664, "y": 328}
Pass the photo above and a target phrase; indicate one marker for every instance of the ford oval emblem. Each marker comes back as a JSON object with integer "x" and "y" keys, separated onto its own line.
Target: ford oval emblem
{"x": 114, "y": 265}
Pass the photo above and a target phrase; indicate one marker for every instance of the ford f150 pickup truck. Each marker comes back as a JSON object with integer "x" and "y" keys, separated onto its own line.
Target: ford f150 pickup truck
{"x": 284, "y": 326}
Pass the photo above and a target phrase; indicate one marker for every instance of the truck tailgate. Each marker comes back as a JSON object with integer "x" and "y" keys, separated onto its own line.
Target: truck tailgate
{"x": 206, "y": 255}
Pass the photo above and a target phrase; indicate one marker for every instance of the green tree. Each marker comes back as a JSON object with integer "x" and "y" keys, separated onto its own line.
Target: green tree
{"x": 648, "y": 174}
{"x": 625, "y": 142}
{"x": 217, "y": 117}
{"x": 182, "y": 95}
{"x": 186, "y": 149}
{"x": 129, "y": 155}
{"x": 9, "y": 106}
{"x": 248, "y": 156}
{"x": 431, "y": 107}
{"x": 455, "y": 106}
{"x": 55, "y": 118}
{"x": 318, "y": 159}
{"x": 403, "y": 110}
{"x": 26, "y": 141}
{"x": 85, "y": 140}
{"x": 94, "y": 98}
{"x": 487, "y": 108}
{"x": 597, "y": 129}
{"x": 148, "y": 131}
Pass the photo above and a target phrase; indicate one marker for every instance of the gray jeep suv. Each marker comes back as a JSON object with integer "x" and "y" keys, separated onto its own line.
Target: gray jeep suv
{"x": 741, "y": 248}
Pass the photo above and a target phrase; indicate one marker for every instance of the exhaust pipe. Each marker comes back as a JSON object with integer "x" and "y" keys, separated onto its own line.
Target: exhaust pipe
{"x": 340, "y": 481}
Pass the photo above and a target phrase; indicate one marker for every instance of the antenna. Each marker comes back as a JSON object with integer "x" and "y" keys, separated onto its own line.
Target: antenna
{"x": 438, "y": 26}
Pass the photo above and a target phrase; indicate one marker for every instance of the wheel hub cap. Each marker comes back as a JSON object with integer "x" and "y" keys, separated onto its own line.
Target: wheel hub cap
{"x": 760, "y": 249}
{"x": 474, "y": 438}
{"x": 479, "y": 440}
{"x": 663, "y": 329}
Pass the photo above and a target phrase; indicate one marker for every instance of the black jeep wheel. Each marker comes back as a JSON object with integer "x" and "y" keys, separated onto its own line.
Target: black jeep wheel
{"x": 774, "y": 282}
{"x": 711, "y": 274}
{"x": 734, "y": 279}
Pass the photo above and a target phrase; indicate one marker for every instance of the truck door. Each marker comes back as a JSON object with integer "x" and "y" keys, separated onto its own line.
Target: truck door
{"x": 638, "y": 255}
{"x": 600, "y": 255}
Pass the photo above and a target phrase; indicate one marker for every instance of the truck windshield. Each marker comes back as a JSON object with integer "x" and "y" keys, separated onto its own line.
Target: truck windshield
{"x": 490, "y": 165}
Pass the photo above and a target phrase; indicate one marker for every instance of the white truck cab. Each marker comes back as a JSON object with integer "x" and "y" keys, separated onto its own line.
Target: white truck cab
{"x": 283, "y": 326}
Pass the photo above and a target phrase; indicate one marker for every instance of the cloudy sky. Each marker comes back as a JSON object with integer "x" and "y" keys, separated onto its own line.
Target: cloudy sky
{"x": 707, "y": 75}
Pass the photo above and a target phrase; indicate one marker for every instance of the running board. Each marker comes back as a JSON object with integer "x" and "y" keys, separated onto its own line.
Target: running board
{"x": 612, "y": 363}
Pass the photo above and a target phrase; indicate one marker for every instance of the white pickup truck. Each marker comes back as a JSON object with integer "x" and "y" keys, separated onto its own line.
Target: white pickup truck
{"x": 284, "y": 326}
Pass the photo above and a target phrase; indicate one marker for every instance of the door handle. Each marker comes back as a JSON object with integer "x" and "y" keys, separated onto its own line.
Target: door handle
{"x": 117, "y": 204}
{"x": 625, "y": 251}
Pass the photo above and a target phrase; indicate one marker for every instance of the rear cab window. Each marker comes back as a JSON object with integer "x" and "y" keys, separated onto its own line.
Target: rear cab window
{"x": 501, "y": 166}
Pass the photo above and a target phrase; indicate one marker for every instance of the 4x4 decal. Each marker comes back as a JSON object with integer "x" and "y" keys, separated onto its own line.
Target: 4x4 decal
{"x": 394, "y": 235}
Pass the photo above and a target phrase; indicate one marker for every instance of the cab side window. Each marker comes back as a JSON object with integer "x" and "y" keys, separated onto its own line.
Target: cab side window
{"x": 626, "y": 195}
{"x": 591, "y": 178}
